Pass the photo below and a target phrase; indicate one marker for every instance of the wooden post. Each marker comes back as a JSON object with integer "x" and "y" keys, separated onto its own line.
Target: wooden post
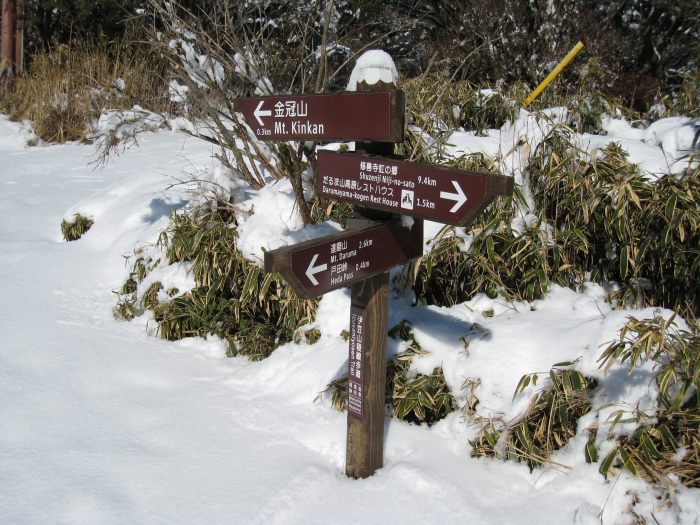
{"x": 370, "y": 300}
{"x": 365, "y": 438}
{"x": 7, "y": 46}
{"x": 19, "y": 37}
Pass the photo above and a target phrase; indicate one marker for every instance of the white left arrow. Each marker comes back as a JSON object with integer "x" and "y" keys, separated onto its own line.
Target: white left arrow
{"x": 459, "y": 197}
{"x": 260, "y": 112}
{"x": 312, "y": 270}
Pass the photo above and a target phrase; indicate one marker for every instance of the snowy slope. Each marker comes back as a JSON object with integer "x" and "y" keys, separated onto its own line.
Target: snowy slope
{"x": 103, "y": 423}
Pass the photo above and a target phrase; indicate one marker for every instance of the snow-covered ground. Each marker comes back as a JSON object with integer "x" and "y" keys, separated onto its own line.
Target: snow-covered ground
{"x": 102, "y": 423}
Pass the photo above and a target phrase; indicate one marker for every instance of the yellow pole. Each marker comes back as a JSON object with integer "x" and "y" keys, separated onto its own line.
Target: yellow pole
{"x": 555, "y": 72}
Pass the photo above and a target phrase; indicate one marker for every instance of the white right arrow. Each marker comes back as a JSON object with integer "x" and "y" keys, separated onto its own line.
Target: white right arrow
{"x": 312, "y": 270}
{"x": 259, "y": 112}
{"x": 459, "y": 197}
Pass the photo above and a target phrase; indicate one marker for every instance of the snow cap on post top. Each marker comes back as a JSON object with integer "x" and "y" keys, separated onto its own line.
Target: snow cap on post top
{"x": 374, "y": 67}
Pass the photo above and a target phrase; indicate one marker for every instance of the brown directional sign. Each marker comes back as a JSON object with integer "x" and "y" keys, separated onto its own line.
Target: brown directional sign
{"x": 438, "y": 194}
{"x": 377, "y": 116}
{"x": 318, "y": 266}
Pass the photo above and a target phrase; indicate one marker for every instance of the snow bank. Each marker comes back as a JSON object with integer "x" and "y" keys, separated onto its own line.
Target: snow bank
{"x": 666, "y": 146}
{"x": 14, "y": 136}
{"x": 274, "y": 221}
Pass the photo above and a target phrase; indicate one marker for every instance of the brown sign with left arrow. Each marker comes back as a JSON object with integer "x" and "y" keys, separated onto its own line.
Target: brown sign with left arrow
{"x": 341, "y": 116}
{"x": 318, "y": 266}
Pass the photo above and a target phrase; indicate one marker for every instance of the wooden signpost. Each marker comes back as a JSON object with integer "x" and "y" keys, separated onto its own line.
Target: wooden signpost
{"x": 361, "y": 257}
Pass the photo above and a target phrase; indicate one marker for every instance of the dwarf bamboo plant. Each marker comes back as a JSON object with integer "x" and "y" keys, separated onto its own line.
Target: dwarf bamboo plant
{"x": 665, "y": 445}
{"x": 421, "y": 398}
{"x": 75, "y": 229}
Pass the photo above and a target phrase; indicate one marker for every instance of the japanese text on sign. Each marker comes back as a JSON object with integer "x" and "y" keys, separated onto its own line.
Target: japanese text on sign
{"x": 356, "y": 362}
{"x": 291, "y": 108}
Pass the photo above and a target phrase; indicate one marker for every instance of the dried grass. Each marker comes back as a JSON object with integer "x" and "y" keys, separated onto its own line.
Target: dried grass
{"x": 66, "y": 89}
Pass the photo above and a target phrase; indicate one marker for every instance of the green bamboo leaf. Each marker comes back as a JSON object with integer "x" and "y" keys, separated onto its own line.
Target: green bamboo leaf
{"x": 664, "y": 380}
{"x": 606, "y": 464}
{"x": 695, "y": 380}
{"x": 619, "y": 227}
{"x": 563, "y": 417}
{"x": 616, "y": 418}
{"x": 265, "y": 286}
{"x": 644, "y": 247}
{"x": 523, "y": 436}
{"x": 562, "y": 364}
{"x": 591, "y": 451}
{"x": 491, "y": 250}
{"x": 567, "y": 386}
{"x": 490, "y": 438}
{"x": 649, "y": 449}
{"x": 667, "y": 437}
{"x": 250, "y": 284}
{"x": 634, "y": 197}
{"x": 666, "y": 235}
{"x": 582, "y": 238}
{"x": 627, "y": 460}
{"x": 542, "y": 280}
{"x": 695, "y": 267}
{"x": 671, "y": 207}
{"x": 624, "y": 262}
{"x": 522, "y": 384}
{"x": 578, "y": 381}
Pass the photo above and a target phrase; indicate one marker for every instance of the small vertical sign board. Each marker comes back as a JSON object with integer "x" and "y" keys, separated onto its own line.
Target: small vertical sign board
{"x": 356, "y": 362}
{"x": 361, "y": 258}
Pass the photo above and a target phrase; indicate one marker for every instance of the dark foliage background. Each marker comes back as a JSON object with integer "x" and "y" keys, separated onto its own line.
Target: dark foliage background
{"x": 49, "y": 23}
{"x": 636, "y": 47}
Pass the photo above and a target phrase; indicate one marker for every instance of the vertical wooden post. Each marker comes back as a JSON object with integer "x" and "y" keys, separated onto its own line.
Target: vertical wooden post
{"x": 7, "y": 44}
{"x": 19, "y": 37}
{"x": 365, "y": 436}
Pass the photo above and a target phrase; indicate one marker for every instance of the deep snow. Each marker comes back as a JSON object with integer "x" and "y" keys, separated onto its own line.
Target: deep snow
{"x": 104, "y": 423}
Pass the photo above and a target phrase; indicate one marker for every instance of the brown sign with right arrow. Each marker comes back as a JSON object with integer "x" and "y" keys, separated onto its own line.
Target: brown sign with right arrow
{"x": 438, "y": 194}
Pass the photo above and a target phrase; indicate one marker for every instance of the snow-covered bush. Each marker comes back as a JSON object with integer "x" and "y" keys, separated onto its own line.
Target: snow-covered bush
{"x": 438, "y": 104}
{"x": 231, "y": 54}
{"x": 665, "y": 447}
{"x": 233, "y": 298}
{"x": 417, "y": 398}
{"x": 548, "y": 423}
{"x": 610, "y": 223}
{"x": 576, "y": 217}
